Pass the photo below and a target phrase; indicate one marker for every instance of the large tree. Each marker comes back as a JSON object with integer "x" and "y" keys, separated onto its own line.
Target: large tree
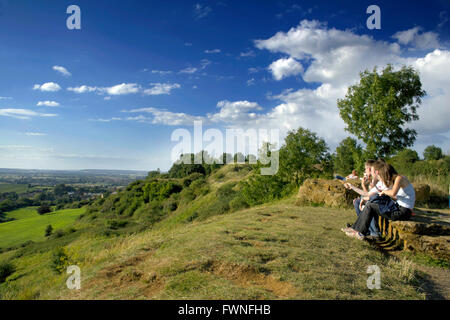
{"x": 347, "y": 156}
{"x": 377, "y": 109}
{"x": 303, "y": 155}
{"x": 433, "y": 153}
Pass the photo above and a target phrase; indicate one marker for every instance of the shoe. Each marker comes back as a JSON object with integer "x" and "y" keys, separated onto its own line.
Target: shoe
{"x": 348, "y": 229}
{"x": 355, "y": 234}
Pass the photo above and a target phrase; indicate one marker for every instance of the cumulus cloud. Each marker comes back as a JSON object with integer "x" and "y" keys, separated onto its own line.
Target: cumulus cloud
{"x": 434, "y": 113}
{"x": 120, "y": 89}
{"x": 235, "y": 112}
{"x": 62, "y": 70}
{"x": 285, "y": 67}
{"x": 161, "y": 88}
{"x": 49, "y": 87}
{"x": 23, "y": 113}
{"x": 416, "y": 38}
{"x": 82, "y": 89}
{"x": 48, "y": 104}
{"x": 336, "y": 56}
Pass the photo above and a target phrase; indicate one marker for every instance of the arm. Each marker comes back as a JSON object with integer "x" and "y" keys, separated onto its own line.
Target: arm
{"x": 393, "y": 192}
{"x": 357, "y": 190}
{"x": 363, "y": 184}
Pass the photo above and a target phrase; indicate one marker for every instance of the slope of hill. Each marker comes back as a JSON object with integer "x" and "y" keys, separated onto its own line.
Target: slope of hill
{"x": 204, "y": 246}
{"x": 30, "y": 226}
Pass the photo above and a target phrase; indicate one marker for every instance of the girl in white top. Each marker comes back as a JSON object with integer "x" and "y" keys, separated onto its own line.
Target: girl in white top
{"x": 400, "y": 189}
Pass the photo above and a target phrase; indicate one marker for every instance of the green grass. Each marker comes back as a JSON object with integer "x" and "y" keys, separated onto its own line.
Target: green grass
{"x": 31, "y": 226}
{"x": 8, "y": 187}
{"x": 274, "y": 251}
{"x": 23, "y": 213}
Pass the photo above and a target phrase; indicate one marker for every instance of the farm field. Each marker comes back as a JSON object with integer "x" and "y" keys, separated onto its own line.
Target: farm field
{"x": 12, "y": 187}
{"x": 31, "y": 226}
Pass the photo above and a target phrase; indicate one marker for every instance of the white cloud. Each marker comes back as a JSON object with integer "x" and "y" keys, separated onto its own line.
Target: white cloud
{"x": 167, "y": 117}
{"x": 35, "y": 134}
{"x": 201, "y": 11}
{"x": 285, "y": 67}
{"x": 189, "y": 70}
{"x": 23, "y": 113}
{"x": 249, "y": 53}
{"x": 161, "y": 72}
{"x": 418, "y": 39}
{"x": 204, "y": 63}
{"x": 161, "y": 88}
{"x": 336, "y": 56}
{"x": 48, "y": 103}
{"x": 107, "y": 120}
{"x": 235, "y": 112}
{"x": 212, "y": 51}
{"x": 120, "y": 89}
{"x": 5, "y": 98}
{"x": 49, "y": 87}
{"x": 251, "y": 82}
{"x": 434, "y": 70}
{"x": 83, "y": 89}
{"x": 62, "y": 70}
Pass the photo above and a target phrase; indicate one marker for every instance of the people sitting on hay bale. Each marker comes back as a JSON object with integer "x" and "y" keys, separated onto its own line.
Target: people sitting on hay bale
{"x": 392, "y": 197}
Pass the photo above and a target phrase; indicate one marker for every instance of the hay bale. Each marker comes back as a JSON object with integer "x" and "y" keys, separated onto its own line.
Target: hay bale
{"x": 422, "y": 192}
{"x": 329, "y": 193}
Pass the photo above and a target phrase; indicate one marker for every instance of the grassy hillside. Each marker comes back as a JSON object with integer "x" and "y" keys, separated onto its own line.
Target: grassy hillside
{"x": 29, "y": 225}
{"x": 203, "y": 245}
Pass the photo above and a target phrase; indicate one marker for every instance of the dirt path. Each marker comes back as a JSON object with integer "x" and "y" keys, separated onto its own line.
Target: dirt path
{"x": 436, "y": 282}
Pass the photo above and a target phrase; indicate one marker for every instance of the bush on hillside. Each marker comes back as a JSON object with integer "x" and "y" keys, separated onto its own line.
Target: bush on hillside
{"x": 6, "y": 269}
{"x": 60, "y": 260}
{"x": 43, "y": 209}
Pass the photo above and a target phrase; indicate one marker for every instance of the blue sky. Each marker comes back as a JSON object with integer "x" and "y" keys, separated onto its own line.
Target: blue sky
{"x": 109, "y": 96}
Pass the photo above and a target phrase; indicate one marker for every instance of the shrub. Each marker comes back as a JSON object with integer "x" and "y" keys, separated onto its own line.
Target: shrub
{"x": 60, "y": 260}
{"x": 43, "y": 209}
{"x": 58, "y": 234}
{"x": 238, "y": 203}
{"x": 115, "y": 224}
{"x": 6, "y": 269}
{"x": 260, "y": 189}
{"x": 48, "y": 230}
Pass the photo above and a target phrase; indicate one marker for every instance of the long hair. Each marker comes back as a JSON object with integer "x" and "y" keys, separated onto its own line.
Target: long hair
{"x": 386, "y": 172}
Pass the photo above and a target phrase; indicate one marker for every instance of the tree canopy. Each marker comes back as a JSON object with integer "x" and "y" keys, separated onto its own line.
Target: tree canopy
{"x": 347, "y": 156}
{"x": 377, "y": 109}
{"x": 433, "y": 153}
